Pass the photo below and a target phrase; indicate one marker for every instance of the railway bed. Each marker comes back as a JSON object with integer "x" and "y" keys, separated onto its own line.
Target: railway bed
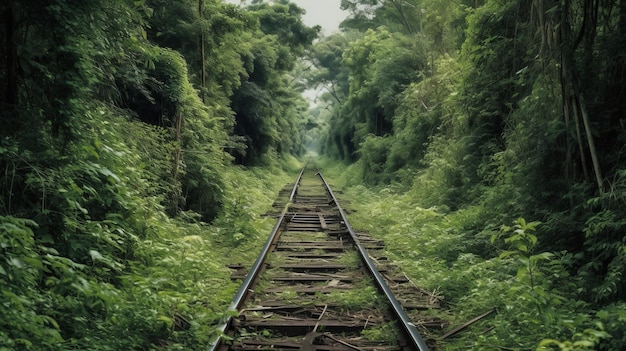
{"x": 318, "y": 285}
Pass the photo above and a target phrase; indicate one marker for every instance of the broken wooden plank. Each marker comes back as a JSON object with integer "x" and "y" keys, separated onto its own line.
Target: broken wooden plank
{"x": 466, "y": 324}
{"x": 322, "y": 222}
{"x": 313, "y": 266}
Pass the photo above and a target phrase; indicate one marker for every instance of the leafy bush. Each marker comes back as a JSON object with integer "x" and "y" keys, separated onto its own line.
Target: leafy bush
{"x": 373, "y": 157}
{"x": 536, "y": 295}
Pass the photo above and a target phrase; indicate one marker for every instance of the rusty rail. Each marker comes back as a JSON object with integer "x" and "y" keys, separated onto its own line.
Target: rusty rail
{"x": 310, "y": 213}
{"x": 253, "y": 275}
{"x": 398, "y": 310}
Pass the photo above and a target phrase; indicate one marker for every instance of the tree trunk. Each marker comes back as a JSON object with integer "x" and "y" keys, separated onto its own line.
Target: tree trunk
{"x": 11, "y": 93}
{"x": 592, "y": 144}
{"x": 178, "y": 153}
{"x": 568, "y": 167}
{"x": 579, "y": 137}
{"x": 405, "y": 23}
{"x": 569, "y": 112}
{"x": 202, "y": 51}
{"x": 572, "y": 94}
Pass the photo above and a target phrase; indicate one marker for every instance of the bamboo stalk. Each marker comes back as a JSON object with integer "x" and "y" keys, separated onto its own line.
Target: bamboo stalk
{"x": 592, "y": 146}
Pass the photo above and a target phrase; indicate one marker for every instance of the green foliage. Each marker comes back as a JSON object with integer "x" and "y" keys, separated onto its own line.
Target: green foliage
{"x": 80, "y": 275}
{"x": 117, "y": 114}
{"x": 521, "y": 240}
{"x": 327, "y": 56}
{"x": 381, "y": 65}
{"x": 111, "y": 165}
{"x": 247, "y": 55}
{"x": 386, "y": 332}
{"x": 534, "y": 268}
{"x": 373, "y": 152}
{"x": 422, "y": 108}
{"x": 178, "y": 25}
{"x": 613, "y": 319}
{"x": 587, "y": 340}
{"x": 514, "y": 112}
{"x": 284, "y": 21}
{"x": 23, "y": 326}
{"x": 403, "y": 16}
{"x": 365, "y": 296}
{"x": 534, "y": 294}
{"x": 604, "y": 243}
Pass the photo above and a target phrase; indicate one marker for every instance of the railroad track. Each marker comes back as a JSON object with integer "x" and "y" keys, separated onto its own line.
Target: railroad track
{"x": 315, "y": 287}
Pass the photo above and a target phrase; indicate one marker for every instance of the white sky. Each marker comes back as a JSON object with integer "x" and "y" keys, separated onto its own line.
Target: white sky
{"x": 326, "y": 13}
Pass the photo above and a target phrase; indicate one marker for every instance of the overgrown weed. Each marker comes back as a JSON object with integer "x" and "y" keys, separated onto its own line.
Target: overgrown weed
{"x": 450, "y": 252}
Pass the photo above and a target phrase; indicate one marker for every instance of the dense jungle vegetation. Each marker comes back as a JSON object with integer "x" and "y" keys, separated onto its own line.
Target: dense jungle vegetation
{"x": 127, "y": 127}
{"x": 485, "y": 142}
{"x": 482, "y": 139}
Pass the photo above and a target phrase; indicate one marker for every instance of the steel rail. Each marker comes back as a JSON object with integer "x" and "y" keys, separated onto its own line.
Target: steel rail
{"x": 398, "y": 310}
{"x": 256, "y": 268}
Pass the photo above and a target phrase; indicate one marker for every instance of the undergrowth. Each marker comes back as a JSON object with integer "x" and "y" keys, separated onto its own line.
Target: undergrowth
{"x": 189, "y": 266}
{"x": 104, "y": 267}
{"x": 536, "y": 298}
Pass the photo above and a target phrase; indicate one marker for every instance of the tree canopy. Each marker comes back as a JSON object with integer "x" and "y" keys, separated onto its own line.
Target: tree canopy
{"x": 125, "y": 124}
{"x": 493, "y": 110}
{"x": 120, "y": 122}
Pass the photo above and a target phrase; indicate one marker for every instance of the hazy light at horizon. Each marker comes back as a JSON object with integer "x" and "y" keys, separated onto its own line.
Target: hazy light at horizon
{"x": 326, "y": 13}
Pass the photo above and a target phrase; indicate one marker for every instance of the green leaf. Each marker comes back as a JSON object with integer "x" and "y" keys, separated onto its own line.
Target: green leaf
{"x": 16, "y": 262}
{"x": 192, "y": 238}
{"x": 91, "y": 151}
{"x": 544, "y": 256}
{"x": 522, "y": 273}
{"x": 506, "y": 254}
{"x": 95, "y": 255}
{"x": 602, "y": 314}
{"x": 105, "y": 171}
{"x": 167, "y": 320}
